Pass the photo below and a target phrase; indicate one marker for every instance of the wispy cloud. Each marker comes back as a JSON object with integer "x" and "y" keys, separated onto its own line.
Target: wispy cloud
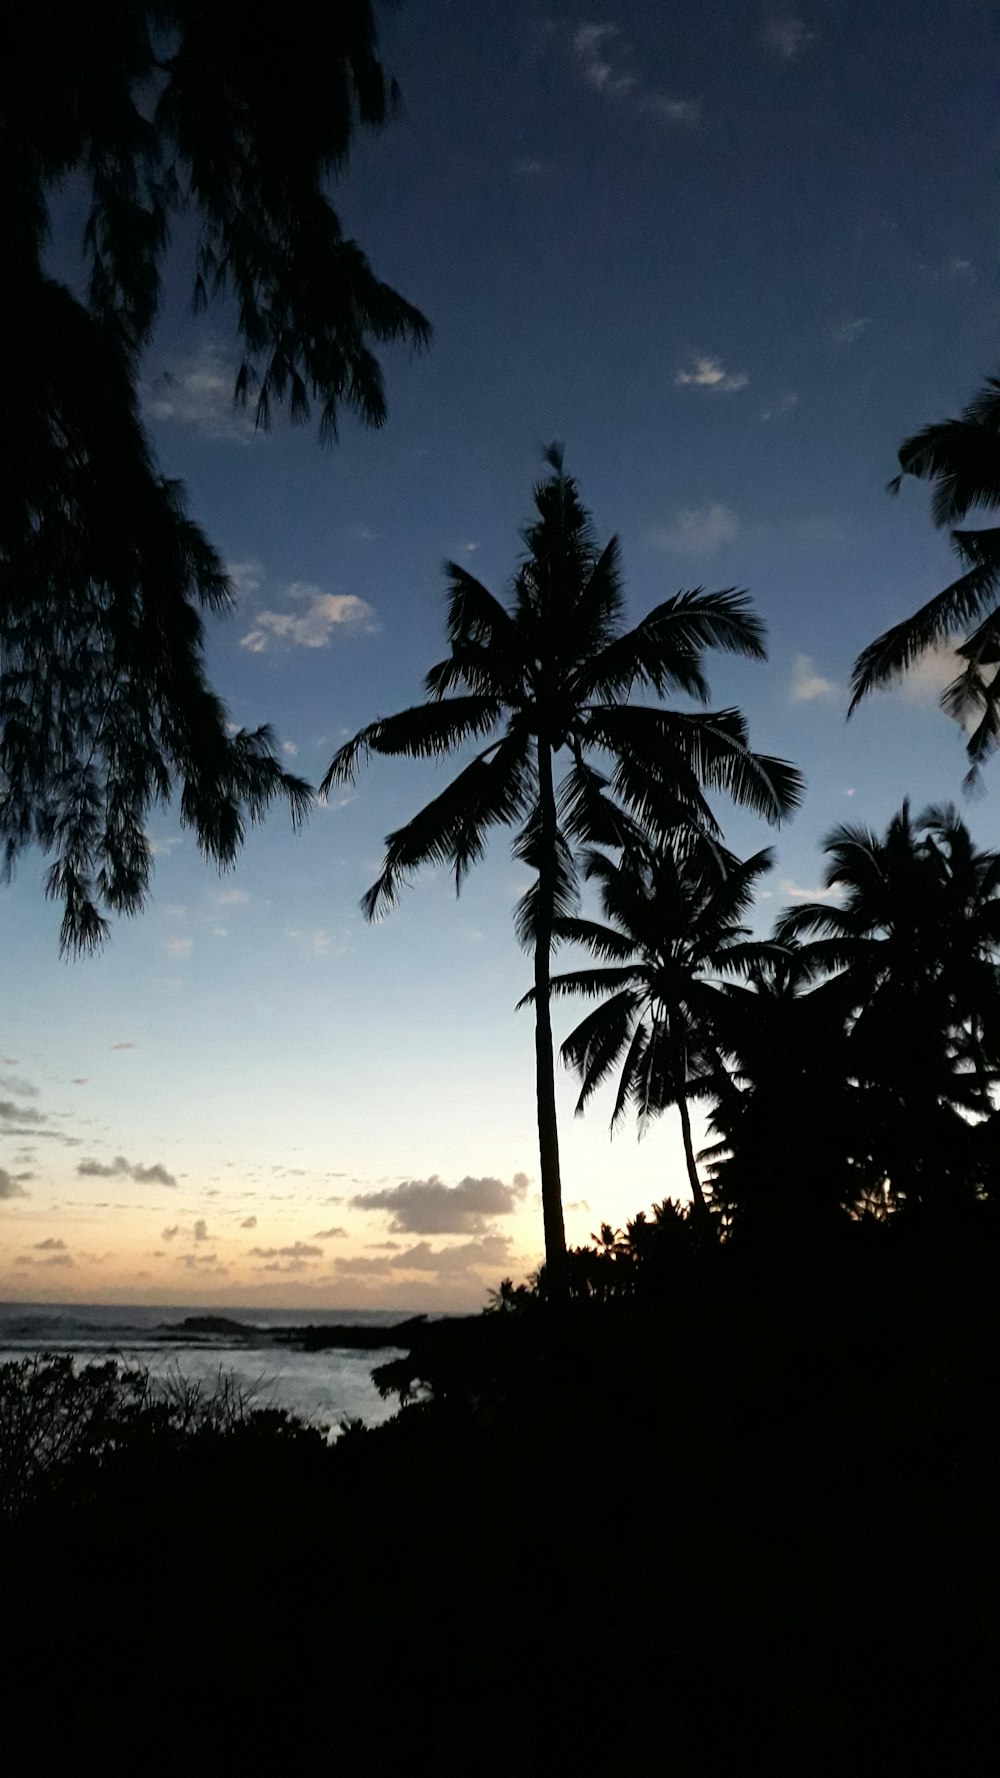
{"x": 11, "y": 1187}
{"x": 845, "y": 333}
{"x": 527, "y": 168}
{"x": 120, "y": 1168}
{"x": 247, "y": 577}
{"x": 230, "y": 898}
{"x": 696, "y": 530}
{"x": 20, "y": 1114}
{"x": 178, "y": 947}
{"x": 785, "y": 37}
{"x": 797, "y": 893}
{"x": 311, "y": 622}
{"x": 807, "y": 684}
{"x": 705, "y": 372}
{"x": 951, "y": 270}
{"x": 197, "y": 391}
{"x": 603, "y": 61}
{"x": 785, "y": 404}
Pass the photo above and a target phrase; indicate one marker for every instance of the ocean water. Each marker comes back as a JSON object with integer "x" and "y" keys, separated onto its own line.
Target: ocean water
{"x": 323, "y": 1387}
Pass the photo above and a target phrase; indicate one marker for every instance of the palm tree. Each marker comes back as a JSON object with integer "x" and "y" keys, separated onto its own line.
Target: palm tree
{"x": 961, "y": 458}
{"x": 673, "y": 913}
{"x": 550, "y": 676}
{"x": 914, "y": 948}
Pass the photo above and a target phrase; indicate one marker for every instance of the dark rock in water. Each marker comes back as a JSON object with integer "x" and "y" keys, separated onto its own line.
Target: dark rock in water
{"x": 211, "y": 1324}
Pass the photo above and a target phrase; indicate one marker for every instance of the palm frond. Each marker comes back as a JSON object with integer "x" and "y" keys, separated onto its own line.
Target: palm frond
{"x": 589, "y": 982}
{"x": 664, "y": 650}
{"x": 962, "y": 457}
{"x": 452, "y": 829}
{"x": 602, "y": 941}
{"x": 676, "y": 746}
{"x": 427, "y": 731}
{"x": 587, "y": 812}
{"x": 899, "y": 648}
{"x": 527, "y": 849}
{"x": 594, "y": 1047}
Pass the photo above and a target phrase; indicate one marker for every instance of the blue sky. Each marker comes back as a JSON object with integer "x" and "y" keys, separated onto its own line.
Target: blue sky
{"x": 731, "y": 255}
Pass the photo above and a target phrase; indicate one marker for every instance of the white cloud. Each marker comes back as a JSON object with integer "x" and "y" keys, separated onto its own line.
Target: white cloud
{"x": 821, "y": 894}
{"x": 247, "y": 577}
{"x": 162, "y": 848}
{"x": 844, "y": 333}
{"x": 707, "y": 373}
{"x": 313, "y": 624}
{"x": 198, "y": 392}
{"x": 807, "y": 684}
{"x": 602, "y": 61}
{"x": 178, "y": 947}
{"x": 934, "y": 670}
{"x": 951, "y": 269}
{"x": 289, "y": 749}
{"x": 230, "y": 898}
{"x": 785, "y": 37}
{"x": 696, "y": 531}
{"x": 593, "y": 48}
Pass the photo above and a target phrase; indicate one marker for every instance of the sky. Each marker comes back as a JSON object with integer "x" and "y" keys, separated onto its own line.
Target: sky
{"x": 730, "y": 254}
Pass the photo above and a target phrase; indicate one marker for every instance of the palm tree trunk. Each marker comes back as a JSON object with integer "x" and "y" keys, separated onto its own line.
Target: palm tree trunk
{"x": 545, "y": 1078}
{"x": 701, "y": 1214}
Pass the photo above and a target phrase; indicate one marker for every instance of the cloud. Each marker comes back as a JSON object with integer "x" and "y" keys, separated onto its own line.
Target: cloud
{"x": 284, "y": 1265}
{"x": 357, "y": 1265}
{"x": 492, "y": 1251}
{"x": 11, "y": 1187}
{"x": 297, "y": 1250}
{"x": 602, "y": 60}
{"x": 844, "y": 333}
{"x": 16, "y": 1083}
{"x": 329, "y": 1234}
{"x": 313, "y": 624}
{"x": 429, "y": 1207}
{"x": 200, "y": 1230}
{"x": 21, "y": 1114}
{"x": 705, "y": 372}
{"x": 249, "y": 1222}
{"x": 120, "y": 1168}
{"x": 807, "y": 684}
{"x": 247, "y": 577}
{"x": 160, "y": 848}
{"x": 198, "y": 392}
{"x": 51, "y": 1244}
{"x": 171, "y": 1233}
{"x": 230, "y": 898}
{"x": 785, "y": 37}
{"x": 289, "y": 749}
{"x": 951, "y": 269}
{"x": 526, "y": 168}
{"x": 785, "y": 404}
{"x": 822, "y": 894}
{"x": 178, "y": 947}
{"x": 128, "y": 1046}
{"x": 696, "y": 531}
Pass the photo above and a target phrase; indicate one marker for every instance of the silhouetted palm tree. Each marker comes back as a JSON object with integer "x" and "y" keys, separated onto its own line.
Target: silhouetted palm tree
{"x": 962, "y": 459}
{"x": 552, "y": 674}
{"x": 674, "y": 913}
{"x": 914, "y": 946}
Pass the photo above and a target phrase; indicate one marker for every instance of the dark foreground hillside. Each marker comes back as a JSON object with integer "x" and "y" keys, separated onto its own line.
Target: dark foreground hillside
{"x": 750, "y": 1526}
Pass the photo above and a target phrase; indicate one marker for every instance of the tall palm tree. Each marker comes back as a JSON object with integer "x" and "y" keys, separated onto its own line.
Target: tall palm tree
{"x": 673, "y": 925}
{"x": 548, "y": 677}
{"x": 961, "y": 458}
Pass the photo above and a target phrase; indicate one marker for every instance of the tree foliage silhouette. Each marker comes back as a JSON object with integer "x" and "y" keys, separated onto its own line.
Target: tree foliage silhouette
{"x": 961, "y": 458}
{"x": 104, "y": 706}
{"x": 912, "y": 952}
{"x": 550, "y": 676}
{"x": 673, "y": 925}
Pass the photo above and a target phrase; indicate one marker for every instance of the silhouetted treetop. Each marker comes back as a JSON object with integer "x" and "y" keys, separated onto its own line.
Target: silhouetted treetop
{"x": 961, "y": 459}
{"x": 241, "y": 116}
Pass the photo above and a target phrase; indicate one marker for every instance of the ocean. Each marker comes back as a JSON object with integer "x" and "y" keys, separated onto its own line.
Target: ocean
{"x": 323, "y": 1387}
